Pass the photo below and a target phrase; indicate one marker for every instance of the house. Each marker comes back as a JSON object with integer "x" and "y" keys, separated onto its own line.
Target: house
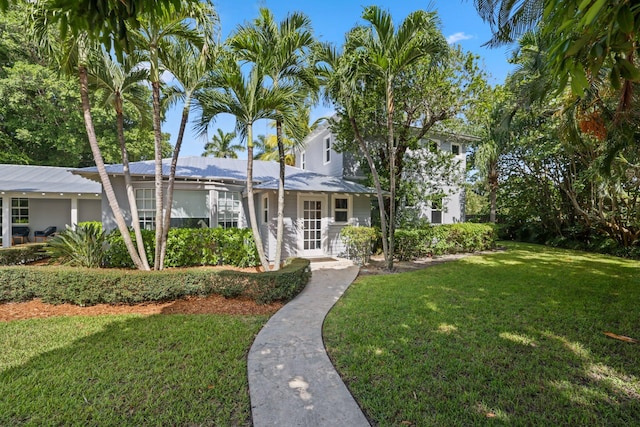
{"x": 211, "y": 192}
{"x": 318, "y": 155}
{"x": 38, "y": 197}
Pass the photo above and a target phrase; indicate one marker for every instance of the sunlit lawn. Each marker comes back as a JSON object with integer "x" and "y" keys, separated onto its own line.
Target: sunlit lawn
{"x": 126, "y": 370}
{"x": 509, "y": 338}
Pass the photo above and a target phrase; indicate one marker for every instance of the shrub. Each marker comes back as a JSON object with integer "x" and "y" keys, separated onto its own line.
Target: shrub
{"x": 443, "y": 239}
{"x": 23, "y": 254}
{"x": 191, "y": 247}
{"x": 82, "y": 286}
{"x": 83, "y": 247}
{"x": 358, "y": 242}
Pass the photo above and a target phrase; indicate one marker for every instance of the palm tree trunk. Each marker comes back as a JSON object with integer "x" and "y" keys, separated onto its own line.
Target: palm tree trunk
{"x": 251, "y": 201}
{"x": 155, "y": 85}
{"x": 133, "y": 207}
{"x": 97, "y": 156}
{"x": 392, "y": 174}
{"x": 172, "y": 179}
{"x": 280, "y": 227}
{"x": 493, "y": 192}
{"x": 376, "y": 181}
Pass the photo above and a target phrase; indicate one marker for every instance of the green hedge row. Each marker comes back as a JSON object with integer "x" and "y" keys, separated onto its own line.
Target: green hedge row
{"x": 443, "y": 239}
{"x": 83, "y": 286}
{"x": 191, "y": 246}
{"x": 23, "y": 254}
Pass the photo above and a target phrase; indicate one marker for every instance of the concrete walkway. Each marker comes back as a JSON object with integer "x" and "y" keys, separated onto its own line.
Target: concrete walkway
{"x": 291, "y": 379}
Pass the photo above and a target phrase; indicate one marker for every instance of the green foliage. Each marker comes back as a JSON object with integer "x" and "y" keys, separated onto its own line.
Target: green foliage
{"x": 23, "y": 254}
{"x": 358, "y": 241}
{"x": 83, "y": 286}
{"x": 191, "y": 247}
{"x": 444, "y": 239}
{"x": 84, "y": 246}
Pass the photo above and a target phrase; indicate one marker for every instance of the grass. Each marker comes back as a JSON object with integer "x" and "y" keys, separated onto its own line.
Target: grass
{"x": 507, "y": 338}
{"x": 126, "y": 370}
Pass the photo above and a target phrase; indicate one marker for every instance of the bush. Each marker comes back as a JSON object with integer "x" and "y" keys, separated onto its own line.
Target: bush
{"x": 83, "y": 247}
{"x": 443, "y": 239}
{"x": 84, "y": 286}
{"x": 358, "y": 241}
{"x": 191, "y": 247}
{"x": 23, "y": 254}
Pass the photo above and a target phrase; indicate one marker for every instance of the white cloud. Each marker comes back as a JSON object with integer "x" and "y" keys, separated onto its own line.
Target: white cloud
{"x": 456, "y": 37}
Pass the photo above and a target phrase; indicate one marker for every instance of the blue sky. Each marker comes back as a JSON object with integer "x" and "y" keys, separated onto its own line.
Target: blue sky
{"x": 331, "y": 19}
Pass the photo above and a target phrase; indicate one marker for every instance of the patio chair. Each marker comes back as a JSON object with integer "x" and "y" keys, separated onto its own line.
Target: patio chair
{"x": 42, "y": 235}
{"x": 20, "y": 232}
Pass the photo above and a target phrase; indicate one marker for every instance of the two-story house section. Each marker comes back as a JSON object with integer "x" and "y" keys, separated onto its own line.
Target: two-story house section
{"x": 318, "y": 155}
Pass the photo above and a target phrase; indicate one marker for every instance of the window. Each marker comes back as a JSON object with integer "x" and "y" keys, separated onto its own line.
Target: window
{"x": 228, "y": 209}
{"x": 265, "y": 209}
{"x": 20, "y": 211}
{"x": 327, "y": 149}
{"x": 455, "y": 149}
{"x": 146, "y": 202}
{"x": 303, "y": 160}
{"x": 436, "y": 209}
{"x": 341, "y": 209}
{"x": 190, "y": 209}
{"x": 433, "y": 146}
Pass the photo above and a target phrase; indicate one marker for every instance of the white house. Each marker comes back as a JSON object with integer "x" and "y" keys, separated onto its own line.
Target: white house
{"x": 38, "y": 197}
{"x": 211, "y": 192}
{"x": 318, "y": 155}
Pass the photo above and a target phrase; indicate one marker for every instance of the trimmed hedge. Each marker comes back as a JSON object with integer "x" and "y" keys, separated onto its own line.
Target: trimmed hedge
{"x": 443, "y": 239}
{"x": 83, "y": 286}
{"x": 23, "y": 254}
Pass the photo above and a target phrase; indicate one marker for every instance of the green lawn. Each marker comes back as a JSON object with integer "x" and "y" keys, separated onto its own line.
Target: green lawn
{"x": 126, "y": 370}
{"x": 513, "y": 338}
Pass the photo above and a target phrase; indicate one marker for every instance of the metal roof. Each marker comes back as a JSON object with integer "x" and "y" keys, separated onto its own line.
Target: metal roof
{"x": 44, "y": 179}
{"x": 265, "y": 174}
{"x": 210, "y": 168}
{"x": 315, "y": 182}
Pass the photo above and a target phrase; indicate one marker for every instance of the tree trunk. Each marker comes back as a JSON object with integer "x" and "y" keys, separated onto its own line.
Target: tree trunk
{"x": 155, "y": 86}
{"x": 172, "y": 179}
{"x": 131, "y": 196}
{"x": 280, "y": 227}
{"x": 493, "y": 192}
{"x": 251, "y": 201}
{"x": 102, "y": 171}
{"x": 392, "y": 174}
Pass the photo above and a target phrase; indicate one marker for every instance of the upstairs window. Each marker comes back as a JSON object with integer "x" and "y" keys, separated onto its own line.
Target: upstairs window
{"x": 228, "y": 209}
{"x": 327, "y": 149}
{"x": 455, "y": 149}
{"x": 303, "y": 160}
{"x": 265, "y": 209}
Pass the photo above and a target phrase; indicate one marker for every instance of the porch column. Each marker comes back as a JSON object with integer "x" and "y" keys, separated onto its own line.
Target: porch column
{"x": 6, "y": 221}
{"x": 74, "y": 212}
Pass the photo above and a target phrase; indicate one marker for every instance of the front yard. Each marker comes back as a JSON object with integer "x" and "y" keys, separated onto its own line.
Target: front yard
{"x": 508, "y": 338}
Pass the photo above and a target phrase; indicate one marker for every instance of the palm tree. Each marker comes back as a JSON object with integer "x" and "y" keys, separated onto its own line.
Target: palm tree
{"x": 189, "y": 66}
{"x": 382, "y": 52}
{"x": 221, "y": 145}
{"x": 283, "y": 52}
{"x": 244, "y": 95}
{"x": 118, "y": 83}
{"x": 73, "y": 53}
{"x": 193, "y": 22}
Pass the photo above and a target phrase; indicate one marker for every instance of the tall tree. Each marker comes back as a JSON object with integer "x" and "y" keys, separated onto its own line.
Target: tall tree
{"x": 283, "y": 51}
{"x": 221, "y": 145}
{"x": 74, "y": 54}
{"x": 191, "y": 22}
{"x": 243, "y": 94}
{"x": 120, "y": 83}
{"x": 377, "y": 55}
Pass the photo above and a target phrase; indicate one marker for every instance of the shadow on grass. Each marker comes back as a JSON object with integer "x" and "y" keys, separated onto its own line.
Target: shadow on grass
{"x": 514, "y": 337}
{"x": 126, "y": 370}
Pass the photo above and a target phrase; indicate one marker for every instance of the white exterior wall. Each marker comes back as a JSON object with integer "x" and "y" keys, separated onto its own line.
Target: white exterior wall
{"x": 314, "y": 155}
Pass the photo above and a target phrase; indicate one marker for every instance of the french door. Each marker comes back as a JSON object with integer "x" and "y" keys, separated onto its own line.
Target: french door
{"x": 311, "y": 215}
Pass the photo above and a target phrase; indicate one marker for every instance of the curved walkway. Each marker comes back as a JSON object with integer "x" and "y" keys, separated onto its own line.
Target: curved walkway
{"x": 291, "y": 379}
